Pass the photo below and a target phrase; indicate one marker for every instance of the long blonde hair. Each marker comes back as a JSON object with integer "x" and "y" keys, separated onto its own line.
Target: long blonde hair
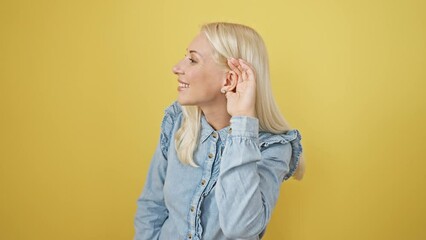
{"x": 237, "y": 41}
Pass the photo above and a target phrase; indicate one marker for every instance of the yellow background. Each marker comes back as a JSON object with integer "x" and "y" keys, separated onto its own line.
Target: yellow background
{"x": 83, "y": 86}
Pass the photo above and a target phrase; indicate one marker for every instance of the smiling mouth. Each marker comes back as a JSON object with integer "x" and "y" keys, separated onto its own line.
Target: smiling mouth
{"x": 183, "y": 85}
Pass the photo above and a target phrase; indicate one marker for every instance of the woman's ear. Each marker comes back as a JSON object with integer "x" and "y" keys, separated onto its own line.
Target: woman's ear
{"x": 230, "y": 82}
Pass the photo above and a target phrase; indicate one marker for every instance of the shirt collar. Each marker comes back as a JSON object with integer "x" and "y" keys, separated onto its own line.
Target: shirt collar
{"x": 207, "y": 130}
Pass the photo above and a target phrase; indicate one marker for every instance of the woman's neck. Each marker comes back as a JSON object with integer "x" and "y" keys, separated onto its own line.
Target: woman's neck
{"x": 217, "y": 117}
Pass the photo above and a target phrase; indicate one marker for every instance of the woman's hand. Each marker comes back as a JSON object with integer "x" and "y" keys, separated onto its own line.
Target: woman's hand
{"x": 241, "y": 101}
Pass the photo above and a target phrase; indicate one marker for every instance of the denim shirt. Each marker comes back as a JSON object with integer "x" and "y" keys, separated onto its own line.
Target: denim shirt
{"x": 230, "y": 195}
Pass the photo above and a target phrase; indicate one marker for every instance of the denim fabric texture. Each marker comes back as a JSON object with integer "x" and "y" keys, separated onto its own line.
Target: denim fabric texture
{"x": 230, "y": 195}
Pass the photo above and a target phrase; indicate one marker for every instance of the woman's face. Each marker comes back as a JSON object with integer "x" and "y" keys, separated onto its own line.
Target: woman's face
{"x": 200, "y": 77}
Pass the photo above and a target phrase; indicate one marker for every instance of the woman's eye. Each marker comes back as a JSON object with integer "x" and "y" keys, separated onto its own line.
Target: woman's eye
{"x": 190, "y": 59}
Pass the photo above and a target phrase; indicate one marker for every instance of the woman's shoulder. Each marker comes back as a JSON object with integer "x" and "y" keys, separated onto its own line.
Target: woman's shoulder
{"x": 171, "y": 116}
{"x": 171, "y": 113}
{"x": 291, "y": 139}
{"x": 267, "y": 138}
{"x": 168, "y": 125}
{"x": 173, "y": 110}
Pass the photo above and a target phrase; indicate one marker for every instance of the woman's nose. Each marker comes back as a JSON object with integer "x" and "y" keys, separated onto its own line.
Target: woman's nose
{"x": 177, "y": 69}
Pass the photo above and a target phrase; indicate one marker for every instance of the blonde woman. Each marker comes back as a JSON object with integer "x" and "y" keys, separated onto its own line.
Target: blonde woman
{"x": 224, "y": 147}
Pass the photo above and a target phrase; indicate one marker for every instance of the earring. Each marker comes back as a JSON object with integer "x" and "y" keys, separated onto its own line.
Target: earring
{"x": 223, "y": 90}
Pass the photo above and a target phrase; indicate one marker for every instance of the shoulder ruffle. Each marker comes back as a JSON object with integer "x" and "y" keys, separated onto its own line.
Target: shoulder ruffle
{"x": 293, "y": 137}
{"x": 170, "y": 115}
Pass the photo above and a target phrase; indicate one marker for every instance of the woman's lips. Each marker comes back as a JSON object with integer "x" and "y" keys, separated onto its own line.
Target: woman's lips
{"x": 182, "y": 85}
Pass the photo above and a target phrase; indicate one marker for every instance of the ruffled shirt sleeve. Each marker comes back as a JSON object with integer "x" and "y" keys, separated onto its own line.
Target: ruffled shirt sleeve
{"x": 251, "y": 173}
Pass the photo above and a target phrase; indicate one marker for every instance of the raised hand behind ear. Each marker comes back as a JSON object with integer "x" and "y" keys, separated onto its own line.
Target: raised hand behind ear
{"x": 241, "y": 101}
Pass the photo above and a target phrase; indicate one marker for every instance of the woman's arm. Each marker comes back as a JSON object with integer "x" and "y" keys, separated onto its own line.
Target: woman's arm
{"x": 249, "y": 181}
{"x": 151, "y": 210}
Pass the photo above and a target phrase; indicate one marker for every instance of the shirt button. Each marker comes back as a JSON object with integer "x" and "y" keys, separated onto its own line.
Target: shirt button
{"x": 210, "y": 155}
{"x": 215, "y": 135}
{"x": 230, "y": 130}
{"x": 203, "y": 182}
{"x": 192, "y": 209}
{"x": 190, "y": 236}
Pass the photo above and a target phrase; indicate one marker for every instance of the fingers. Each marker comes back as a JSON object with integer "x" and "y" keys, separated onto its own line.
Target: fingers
{"x": 243, "y": 69}
{"x": 248, "y": 70}
{"x": 236, "y": 67}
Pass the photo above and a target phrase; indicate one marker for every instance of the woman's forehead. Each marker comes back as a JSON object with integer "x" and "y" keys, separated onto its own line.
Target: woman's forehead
{"x": 200, "y": 45}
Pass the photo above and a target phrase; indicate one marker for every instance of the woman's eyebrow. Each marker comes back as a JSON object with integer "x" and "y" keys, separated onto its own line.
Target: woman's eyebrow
{"x": 193, "y": 51}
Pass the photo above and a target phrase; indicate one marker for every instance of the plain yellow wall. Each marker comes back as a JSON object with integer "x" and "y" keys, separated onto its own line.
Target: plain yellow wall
{"x": 83, "y": 86}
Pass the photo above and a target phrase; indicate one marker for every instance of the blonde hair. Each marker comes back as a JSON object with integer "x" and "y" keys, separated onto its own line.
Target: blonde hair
{"x": 237, "y": 41}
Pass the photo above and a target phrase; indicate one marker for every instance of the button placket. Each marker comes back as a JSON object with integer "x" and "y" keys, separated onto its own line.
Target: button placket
{"x": 195, "y": 210}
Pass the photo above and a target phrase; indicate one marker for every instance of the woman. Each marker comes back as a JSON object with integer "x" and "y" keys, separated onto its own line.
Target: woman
{"x": 224, "y": 146}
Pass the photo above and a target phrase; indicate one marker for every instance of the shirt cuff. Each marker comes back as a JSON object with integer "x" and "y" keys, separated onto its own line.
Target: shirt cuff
{"x": 244, "y": 126}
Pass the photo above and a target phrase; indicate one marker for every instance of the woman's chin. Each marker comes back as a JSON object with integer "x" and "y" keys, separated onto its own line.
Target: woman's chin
{"x": 184, "y": 102}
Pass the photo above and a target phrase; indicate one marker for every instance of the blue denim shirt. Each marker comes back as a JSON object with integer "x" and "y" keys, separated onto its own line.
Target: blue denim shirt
{"x": 229, "y": 196}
